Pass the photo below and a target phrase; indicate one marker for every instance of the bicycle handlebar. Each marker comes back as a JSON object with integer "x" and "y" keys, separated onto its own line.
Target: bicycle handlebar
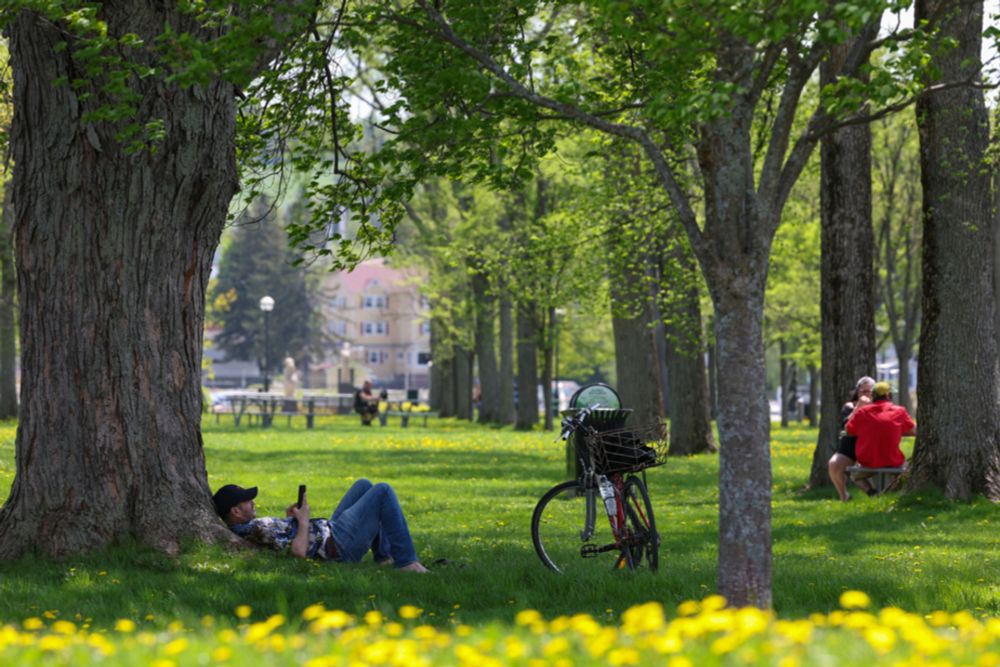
{"x": 571, "y": 423}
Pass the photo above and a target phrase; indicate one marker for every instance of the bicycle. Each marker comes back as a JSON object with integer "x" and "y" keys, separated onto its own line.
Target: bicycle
{"x": 607, "y": 461}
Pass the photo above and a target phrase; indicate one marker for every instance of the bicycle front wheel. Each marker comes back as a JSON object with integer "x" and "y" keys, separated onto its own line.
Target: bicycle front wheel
{"x": 641, "y": 538}
{"x": 557, "y": 528}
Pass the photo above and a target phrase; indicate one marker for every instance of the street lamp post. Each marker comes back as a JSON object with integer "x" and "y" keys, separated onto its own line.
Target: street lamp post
{"x": 267, "y": 305}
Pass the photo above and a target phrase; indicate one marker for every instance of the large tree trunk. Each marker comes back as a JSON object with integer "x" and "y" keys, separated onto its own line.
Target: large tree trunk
{"x": 548, "y": 404}
{"x": 632, "y": 321}
{"x": 444, "y": 371}
{"x": 489, "y": 377}
{"x": 527, "y": 369}
{"x": 847, "y": 281}
{"x": 506, "y": 400}
{"x": 436, "y": 390}
{"x": 8, "y": 287}
{"x": 462, "y": 364}
{"x": 690, "y": 423}
{"x": 958, "y": 443}
{"x": 635, "y": 366}
{"x": 113, "y": 256}
{"x": 735, "y": 269}
{"x": 744, "y": 571}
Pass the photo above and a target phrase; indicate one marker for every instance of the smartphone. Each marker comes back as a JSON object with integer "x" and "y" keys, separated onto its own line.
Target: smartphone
{"x": 302, "y": 494}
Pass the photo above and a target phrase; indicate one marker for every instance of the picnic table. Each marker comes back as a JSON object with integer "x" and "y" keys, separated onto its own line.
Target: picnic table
{"x": 267, "y": 406}
{"x": 404, "y": 410}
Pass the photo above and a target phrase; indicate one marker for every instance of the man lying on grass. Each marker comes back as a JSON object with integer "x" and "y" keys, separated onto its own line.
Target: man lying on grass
{"x": 368, "y": 517}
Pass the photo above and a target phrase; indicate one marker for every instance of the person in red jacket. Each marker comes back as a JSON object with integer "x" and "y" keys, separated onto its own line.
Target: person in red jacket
{"x": 879, "y": 427}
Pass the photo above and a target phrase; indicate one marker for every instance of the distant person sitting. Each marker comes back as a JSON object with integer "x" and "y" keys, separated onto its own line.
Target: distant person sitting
{"x": 845, "y": 455}
{"x": 368, "y": 518}
{"x": 366, "y": 403}
{"x": 879, "y": 427}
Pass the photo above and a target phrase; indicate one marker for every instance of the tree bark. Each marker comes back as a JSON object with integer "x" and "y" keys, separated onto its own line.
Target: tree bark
{"x": 548, "y": 335}
{"x": 632, "y": 322}
{"x": 635, "y": 366}
{"x": 847, "y": 280}
{"x": 690, "y": 424}
{"x": 113, "y": 254}
{"x": 8, "y": 310}
{"x": 735, "y": 269}
{"x": 527, "y": 369}
{"x": 489, "y": 377}
{"x": 462, "y": 364}
{"x": 744, "y": 570}
{"x": 958, "y": 443}
{"x": 506, "y": 399}
{"x": 436, "y": 390}
{"x": 444, "y": 370}
{"x": 813, "y": 394}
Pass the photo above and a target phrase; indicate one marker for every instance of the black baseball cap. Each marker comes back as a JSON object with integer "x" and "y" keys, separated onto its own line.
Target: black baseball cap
{"x": 229, "y": 496}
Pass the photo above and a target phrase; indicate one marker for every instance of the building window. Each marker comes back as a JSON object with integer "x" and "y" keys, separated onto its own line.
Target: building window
{"x": 338, "y": 302}
{"x": 425, "y": 328}
{"x": 374, "y": 357}
{"x": 423, "y": 358}
{"x": 375, "y": 302}
{"x": 337, "y": 327}
{"x": 377, "y": 328}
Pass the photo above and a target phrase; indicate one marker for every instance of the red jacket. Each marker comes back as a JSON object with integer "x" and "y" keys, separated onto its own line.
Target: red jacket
{"x": 879, "y": 427}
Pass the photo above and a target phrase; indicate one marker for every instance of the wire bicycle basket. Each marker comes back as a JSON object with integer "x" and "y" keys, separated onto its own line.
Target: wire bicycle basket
{"x": 628, "y": 449}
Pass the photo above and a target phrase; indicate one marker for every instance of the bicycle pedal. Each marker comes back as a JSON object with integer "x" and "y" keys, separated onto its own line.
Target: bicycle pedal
{"x": 589, "y": 551}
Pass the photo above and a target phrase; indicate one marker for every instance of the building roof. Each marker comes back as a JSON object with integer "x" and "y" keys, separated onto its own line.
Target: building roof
{"x": 376, "y": 269}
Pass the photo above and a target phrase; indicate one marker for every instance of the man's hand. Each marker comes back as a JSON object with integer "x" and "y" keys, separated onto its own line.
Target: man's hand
{"x": 864, "y": 400}
{"x": 300, "y": 543}
{"x": 300, "y": 513}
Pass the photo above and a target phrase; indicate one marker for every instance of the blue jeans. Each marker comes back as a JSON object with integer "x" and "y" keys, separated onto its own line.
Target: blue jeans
{"x": 369, "y": 517}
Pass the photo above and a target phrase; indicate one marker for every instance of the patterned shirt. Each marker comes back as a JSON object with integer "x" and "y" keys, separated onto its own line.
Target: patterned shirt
{"x": 277, "y": 534}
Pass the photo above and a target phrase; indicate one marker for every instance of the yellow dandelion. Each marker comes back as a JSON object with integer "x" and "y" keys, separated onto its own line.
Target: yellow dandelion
{"x": 221, "y": 654}
{"x": 243, "y": 611}
{"x": 312, "y": 612}
{"x": 33, "y": 623}
{"x": 688, "y": 608}
{"x": 713, "y": 603}
{"x": 881, "y": 638}
{"x": 555, "y": 647}
{"x": 52, "y": 643}
{"x": 124, "y": 625}
{"x": 64, "y": 627}
{"x": 623, "y": 656}
{"x": 373, "y": 618}
{"x": 176, "y": 647}
{"x": 855, "y": 600}
{"x": 409, "y": 611}
{"x": 527, "y": 617}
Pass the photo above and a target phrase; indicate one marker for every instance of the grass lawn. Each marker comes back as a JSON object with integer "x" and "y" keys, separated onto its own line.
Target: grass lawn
{"x": 468, "y": 493}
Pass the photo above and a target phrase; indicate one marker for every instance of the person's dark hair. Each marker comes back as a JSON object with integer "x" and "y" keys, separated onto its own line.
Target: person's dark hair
{"x": 855, "y": 396}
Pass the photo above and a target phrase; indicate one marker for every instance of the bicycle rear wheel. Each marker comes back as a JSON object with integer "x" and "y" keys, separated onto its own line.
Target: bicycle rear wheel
{"x": 641, "y": 538}
{"x": 556, "y": 528}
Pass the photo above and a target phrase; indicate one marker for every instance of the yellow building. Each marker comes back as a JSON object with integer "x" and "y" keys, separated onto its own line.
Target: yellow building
{"x": 377, "y": 326}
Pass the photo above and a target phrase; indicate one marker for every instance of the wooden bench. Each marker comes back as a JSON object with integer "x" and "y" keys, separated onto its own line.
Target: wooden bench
{"x": 404, "y": 416}
{"x": 881, "y": 474}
